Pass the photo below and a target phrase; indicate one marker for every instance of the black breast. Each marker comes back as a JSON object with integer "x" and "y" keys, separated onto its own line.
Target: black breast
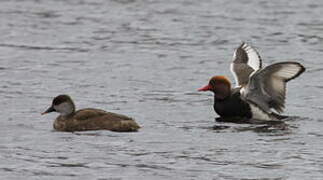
{"x": 232, "y": 106}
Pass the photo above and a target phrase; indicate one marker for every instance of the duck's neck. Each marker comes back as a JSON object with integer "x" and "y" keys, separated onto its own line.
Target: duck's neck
{"x": 222, "y": 95}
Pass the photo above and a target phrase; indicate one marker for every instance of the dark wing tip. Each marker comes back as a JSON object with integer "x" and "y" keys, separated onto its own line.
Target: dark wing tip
{"x": 246, "y": 48}
{"x": 242, "y": 44}
{"x": 302, "y": 69}
{"x": 240, "y": 54}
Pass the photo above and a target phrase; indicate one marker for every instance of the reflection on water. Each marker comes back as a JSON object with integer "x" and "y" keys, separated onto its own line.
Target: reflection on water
{"x": 146, "y": 59}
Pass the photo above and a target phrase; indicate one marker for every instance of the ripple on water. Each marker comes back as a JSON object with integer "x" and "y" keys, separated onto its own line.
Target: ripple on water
{"x": 48, "y": 48}
{"x": 87, "y": 47}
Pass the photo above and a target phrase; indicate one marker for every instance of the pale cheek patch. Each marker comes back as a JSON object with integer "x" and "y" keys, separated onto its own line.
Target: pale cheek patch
{"x": 64, "y": 108}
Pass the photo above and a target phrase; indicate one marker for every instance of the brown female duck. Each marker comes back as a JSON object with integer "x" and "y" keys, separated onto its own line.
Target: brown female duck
{"x": 87, "y": 119}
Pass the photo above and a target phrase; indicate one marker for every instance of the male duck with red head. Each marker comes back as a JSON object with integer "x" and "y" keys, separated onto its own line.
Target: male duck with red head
{"x": 260, "y": 92}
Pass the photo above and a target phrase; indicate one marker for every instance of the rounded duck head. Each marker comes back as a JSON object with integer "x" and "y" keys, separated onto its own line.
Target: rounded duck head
{"x": 219, "y": 85}
{"x": 62, "y": 104}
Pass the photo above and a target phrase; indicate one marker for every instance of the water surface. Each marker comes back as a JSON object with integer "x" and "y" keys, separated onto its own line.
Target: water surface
{"x": 146, "y": 58}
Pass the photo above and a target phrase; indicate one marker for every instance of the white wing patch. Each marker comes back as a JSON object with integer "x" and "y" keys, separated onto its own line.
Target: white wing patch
{"x": 245, "y": 61}
{"x": 254, "y": 60}
{"x": 236, "y": 79}
{"x": 288, "y": 71}
{"x": 267, "y": 87}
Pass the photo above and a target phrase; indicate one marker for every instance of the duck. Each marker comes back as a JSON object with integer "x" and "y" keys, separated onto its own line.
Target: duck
{"x": 259, "y": 92}
{"x": 71, "y": 120}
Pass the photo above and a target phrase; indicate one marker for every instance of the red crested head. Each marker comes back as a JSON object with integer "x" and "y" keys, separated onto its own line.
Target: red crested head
{"x": 219, "y": 85}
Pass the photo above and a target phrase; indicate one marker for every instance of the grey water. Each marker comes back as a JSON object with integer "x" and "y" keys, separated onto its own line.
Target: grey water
{"x": 146, "y": 59}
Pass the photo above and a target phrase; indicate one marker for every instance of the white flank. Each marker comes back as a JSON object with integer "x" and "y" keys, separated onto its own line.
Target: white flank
{"x": 259, "y": 114}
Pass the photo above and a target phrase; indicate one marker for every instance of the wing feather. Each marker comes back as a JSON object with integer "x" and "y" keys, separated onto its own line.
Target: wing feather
{"x": 246, "y": 60}
{"x": 267, "y": 87}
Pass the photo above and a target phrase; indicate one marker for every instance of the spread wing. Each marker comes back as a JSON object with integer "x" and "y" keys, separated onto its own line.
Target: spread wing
{"x": 246, "y": 60}
{"x": 267, "y": 87}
